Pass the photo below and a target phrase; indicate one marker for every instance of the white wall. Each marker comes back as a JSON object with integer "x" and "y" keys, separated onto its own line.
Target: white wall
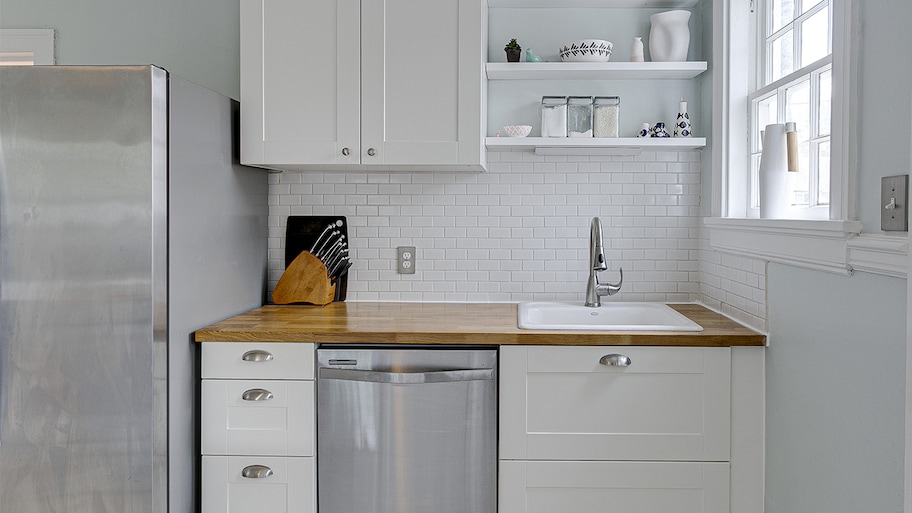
{"x": 197, "y": 40}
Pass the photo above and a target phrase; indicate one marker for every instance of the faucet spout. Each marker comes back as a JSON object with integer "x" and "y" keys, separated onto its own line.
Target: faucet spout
{"x": 597, "y": 263}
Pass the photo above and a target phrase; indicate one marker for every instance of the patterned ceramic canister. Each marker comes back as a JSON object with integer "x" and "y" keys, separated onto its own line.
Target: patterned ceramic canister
{"x": 645, "y": 130}
{"x": 659, "y": 130}
{"x": 683, "y": 127}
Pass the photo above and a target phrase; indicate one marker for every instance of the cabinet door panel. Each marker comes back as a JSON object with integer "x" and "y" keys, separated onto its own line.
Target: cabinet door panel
{"x": 299, "y": 81}
{"x": 670, "y": 404}
{"x": 624, "y": 487}
{"x": 282, "y": 425}
{"x": 422, "y": 82}
{"x": 290, "y": 487}
{"x": 257, "y": 360}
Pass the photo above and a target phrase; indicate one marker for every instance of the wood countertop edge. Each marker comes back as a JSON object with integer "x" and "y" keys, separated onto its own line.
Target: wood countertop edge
{"x": 275, "y": 323}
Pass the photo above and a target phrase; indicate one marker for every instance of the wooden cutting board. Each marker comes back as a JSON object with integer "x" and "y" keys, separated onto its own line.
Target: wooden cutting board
{"x": 304, "y": 281}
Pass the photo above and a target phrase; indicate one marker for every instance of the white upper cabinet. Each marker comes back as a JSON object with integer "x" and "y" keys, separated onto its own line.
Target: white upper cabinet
{"x": 361, "y": 85}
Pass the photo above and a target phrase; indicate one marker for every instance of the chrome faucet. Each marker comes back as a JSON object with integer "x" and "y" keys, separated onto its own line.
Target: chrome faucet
{"x": 597, "y": 263}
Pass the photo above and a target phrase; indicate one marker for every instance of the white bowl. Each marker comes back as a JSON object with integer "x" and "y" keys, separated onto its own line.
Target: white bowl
{"x": 517, "y": 130}
{"x": 586, "y": 50}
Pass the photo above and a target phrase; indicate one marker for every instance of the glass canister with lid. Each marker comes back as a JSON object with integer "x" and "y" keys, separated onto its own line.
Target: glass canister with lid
{"x": 606, "y": 116}
{"x": 554, "y": 116}
{"x": 579, "y": 116}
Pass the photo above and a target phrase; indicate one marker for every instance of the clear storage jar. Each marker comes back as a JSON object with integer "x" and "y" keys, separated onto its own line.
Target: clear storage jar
{"x": 579, "y": 116}
{"x": 606, "y": 116}
{"x": 554, "y": 116}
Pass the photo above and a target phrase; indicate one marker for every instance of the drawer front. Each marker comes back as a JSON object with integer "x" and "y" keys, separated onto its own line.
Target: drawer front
{"x": 618, "y": 486}
{"x": 248, "y": 360}
{"x": 561, "y": 403}
{"x": 280, "y": 425}
{"x": 289, "y": 487}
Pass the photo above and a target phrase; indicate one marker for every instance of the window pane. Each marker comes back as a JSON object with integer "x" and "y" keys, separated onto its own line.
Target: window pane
{"x": 783, "y": 13}
{"x": 755, "y": 181}
{"x": 782, "y": 53}
{"x": 807, "y": 5}
{"x": 798, "y": 109}
{"x": 826, "y": 103}
{"x": 815, "y": 37}
{"x": 823, "y": 171}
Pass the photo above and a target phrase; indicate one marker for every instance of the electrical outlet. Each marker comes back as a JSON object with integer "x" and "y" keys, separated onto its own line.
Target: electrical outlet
{"x": 407, "y": 259}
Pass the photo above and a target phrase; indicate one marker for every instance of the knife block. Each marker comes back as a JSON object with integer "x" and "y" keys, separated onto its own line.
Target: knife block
{"x": 301, "y": 232}
{"x": 304, "y": 281}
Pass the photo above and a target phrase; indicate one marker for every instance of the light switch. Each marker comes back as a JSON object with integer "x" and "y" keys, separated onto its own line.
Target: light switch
{"x": 894, "y": 211}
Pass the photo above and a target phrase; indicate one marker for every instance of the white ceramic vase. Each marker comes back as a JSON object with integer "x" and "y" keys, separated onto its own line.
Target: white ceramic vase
{"x": 669, "y": 37}
{"x": 774, "y": 201}
{"x": 636, "y": 50}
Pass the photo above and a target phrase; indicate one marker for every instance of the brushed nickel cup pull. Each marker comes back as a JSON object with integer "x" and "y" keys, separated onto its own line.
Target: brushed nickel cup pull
{"x": 256, "y": 472}
{"x": 257, "y": 394}
{"x": 615, "y": 360}
{"x": 257, "y": 355}
{"x": 371, "y": 152}
{"x": 346, "y": 151}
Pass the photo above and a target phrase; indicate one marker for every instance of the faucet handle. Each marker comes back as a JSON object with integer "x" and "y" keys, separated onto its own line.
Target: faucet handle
{"x": 614, "y": 288}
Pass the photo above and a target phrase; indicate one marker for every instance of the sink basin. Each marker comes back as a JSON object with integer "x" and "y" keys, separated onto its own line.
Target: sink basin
{"x": 609, "y": 317}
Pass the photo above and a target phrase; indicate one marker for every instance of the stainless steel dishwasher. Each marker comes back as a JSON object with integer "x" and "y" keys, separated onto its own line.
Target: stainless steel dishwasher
{"x": 406, "y": 430}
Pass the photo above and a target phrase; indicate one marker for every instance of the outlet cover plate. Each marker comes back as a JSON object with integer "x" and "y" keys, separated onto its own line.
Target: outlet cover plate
{"x": 406, "y": 261}
{"x": 894, "y": 192}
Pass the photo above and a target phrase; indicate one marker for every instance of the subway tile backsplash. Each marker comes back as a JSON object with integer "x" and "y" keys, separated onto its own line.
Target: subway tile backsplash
{"x": 521, "y": 231}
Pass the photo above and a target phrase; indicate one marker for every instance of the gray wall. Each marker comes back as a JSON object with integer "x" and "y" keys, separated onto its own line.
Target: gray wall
{"x": 835, "y": 392}
{"x": 836, "y": 361}
{"x": 195, "y": 39}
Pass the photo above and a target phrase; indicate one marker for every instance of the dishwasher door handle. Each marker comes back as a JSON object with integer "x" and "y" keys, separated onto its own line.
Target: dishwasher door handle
{"x": 407, "y": 378}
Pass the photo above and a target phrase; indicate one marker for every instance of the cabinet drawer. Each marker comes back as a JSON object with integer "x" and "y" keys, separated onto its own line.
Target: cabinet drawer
{"x": 621, "y": 486}
{"x": 289, "y": 488}
{"x": 268, "y": 360}
{"x": 560, "y": 403}
{"x": 280, "y": 425}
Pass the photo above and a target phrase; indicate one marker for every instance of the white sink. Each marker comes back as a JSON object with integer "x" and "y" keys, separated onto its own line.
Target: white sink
{"x": 608, "y": 317}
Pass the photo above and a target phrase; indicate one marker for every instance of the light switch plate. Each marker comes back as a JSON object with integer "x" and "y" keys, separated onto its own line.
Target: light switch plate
{"x": 894, "y": 203}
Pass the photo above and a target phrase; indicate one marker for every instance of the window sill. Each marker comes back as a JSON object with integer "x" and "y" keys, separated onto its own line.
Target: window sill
{"x": 831, "y": 246}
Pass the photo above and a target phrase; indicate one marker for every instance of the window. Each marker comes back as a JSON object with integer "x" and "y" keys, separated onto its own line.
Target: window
{"x": 26, "y": 47}
{"x": 794, "y": 76}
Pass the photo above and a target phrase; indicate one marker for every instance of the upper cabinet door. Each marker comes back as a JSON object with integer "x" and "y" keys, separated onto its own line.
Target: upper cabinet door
{"x": 361, "y": 84}
{"x": 422, "y": 82}
{"x": 300, "y": 75}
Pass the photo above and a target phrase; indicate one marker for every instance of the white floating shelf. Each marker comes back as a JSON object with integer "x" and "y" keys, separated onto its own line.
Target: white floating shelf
{"x": 594, "y": 70}
{"x": 593, "y": 146}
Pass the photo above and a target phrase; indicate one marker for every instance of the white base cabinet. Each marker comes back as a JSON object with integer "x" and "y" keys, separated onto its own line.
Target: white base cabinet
{"x": 651, "y": 436}
{"x": 284, "y": 489}
{"x": 616, "y": 486}
{"x": 257, "y": 428}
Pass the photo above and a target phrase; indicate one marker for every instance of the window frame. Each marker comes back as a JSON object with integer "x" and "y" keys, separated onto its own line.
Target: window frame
{"x": 817, "y": 244}
{"x": 36, "y": 45}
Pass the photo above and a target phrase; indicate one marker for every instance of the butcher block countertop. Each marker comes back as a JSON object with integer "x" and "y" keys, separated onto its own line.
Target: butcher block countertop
{"x": 452, "y": 323}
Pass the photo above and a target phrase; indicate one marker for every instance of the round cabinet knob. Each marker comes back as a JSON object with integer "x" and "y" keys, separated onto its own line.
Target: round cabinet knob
{"x": 346, "y": 151}
{"x": 371, "y": 152}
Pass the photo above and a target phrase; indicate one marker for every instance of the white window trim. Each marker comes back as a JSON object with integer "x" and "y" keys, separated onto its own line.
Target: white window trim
{"x": 834, "y": 245}
{"x": 37, "y": 42}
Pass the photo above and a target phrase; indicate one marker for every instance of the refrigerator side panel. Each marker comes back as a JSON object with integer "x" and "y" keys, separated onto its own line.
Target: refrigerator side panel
{"x": 76, "y": 300}
{"x": 217, "y": 256}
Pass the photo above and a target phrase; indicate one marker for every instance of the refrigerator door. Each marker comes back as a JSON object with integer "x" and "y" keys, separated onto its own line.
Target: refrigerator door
{"x": 83, "y": 211}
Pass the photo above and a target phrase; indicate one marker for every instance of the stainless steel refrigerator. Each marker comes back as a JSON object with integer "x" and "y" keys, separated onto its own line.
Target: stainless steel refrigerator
{"x": 125, "y": 224}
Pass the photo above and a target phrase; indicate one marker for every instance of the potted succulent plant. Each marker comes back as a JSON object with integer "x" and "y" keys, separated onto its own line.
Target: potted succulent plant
{"x": 513, "y": 51}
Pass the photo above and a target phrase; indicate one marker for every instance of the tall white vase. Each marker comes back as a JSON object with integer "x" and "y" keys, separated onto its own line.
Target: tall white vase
{"x": 669, "y": 38}
{"x": 774, "y": 201}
